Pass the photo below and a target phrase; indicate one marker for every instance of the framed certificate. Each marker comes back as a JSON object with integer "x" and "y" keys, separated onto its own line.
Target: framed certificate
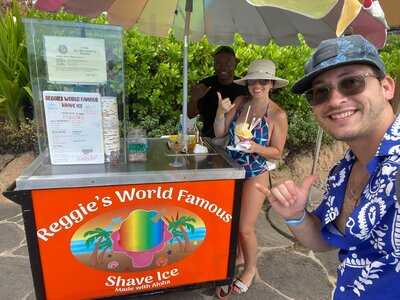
{"x": 75, "y": 60}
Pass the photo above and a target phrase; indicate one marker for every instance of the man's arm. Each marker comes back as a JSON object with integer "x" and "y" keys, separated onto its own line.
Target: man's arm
{"x": 198, "y": 91}
{"x": 308, "y": 233}
{"x": 289, "y": 200}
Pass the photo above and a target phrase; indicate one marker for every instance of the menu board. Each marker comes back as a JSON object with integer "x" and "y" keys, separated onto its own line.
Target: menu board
{"x": 74, "y": 127}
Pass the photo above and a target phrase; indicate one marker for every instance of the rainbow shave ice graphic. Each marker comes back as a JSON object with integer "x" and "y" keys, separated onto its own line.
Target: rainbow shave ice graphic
{"x": 138, "y": 239}
{"x": 141, "y": 235}
{"x": 141, "y": 231}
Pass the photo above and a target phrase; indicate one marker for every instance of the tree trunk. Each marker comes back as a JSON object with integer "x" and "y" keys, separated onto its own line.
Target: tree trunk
{"x": 181, "y": 248}
{"x": 186, "y": 238}
{"x": 101, "y": 256}
{"x": 93, "y": 257}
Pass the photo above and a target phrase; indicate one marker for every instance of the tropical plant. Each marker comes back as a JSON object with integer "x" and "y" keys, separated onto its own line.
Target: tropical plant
{"x": 102, "y": 242}
{"x": 391, "y": 55}
{"x": 178, "y": 226}
{"x": 15, "y": 92}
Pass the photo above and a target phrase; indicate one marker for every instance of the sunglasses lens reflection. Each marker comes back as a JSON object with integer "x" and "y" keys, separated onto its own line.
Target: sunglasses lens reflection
{"x": 260, "y": 81}
{"x": 348, "y": 86}
{"x": 321, "y": 94}
{"x": 352, "y": 85}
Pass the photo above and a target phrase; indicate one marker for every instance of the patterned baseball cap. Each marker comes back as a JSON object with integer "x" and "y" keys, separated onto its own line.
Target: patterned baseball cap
{"x": 332, "y": 53}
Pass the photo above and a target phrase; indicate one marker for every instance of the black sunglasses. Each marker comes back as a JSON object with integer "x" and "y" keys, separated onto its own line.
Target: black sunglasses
{"x": 347, "y": 86}
{"x": 260, "y": 81}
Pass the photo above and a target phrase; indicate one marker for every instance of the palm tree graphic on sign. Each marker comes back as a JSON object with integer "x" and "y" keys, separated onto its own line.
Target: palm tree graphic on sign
{"x": 102, "y": 241}
{"x": 178, "y": 226}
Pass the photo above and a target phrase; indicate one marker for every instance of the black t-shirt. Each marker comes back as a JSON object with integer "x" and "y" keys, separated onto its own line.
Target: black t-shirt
{"x": 208, "y": 105}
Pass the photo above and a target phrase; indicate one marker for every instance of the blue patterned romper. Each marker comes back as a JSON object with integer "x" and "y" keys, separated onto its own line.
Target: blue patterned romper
{"x": 253, "y": 163}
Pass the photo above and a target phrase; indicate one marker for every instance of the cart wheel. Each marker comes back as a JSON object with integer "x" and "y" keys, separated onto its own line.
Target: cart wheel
{"x": 222, "y": 292}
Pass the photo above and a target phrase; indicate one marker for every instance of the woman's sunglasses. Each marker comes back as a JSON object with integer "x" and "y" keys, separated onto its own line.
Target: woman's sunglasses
{"x": 347, "y": 86}
{"x": 260, "y": 81}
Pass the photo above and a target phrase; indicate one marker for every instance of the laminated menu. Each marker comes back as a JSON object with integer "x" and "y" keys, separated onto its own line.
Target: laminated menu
{"x": 74, "y": 127}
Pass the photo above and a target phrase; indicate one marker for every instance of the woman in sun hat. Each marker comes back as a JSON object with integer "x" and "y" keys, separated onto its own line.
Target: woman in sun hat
{"x": 257, "y": 129}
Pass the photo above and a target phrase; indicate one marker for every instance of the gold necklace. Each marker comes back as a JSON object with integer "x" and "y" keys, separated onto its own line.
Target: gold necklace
{"x": 356, "y": 184}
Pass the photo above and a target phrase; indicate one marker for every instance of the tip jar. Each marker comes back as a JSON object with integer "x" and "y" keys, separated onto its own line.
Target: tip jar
{"x": 137, "y": 145}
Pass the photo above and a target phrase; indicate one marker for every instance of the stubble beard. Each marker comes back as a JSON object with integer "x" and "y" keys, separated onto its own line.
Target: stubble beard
{"x": 363, "y": 128}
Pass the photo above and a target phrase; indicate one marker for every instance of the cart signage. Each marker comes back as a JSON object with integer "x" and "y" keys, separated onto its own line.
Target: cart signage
{"x": 133, "y": 239}
{"x": 75, "y": 60}
{"x": 74, "y": 127}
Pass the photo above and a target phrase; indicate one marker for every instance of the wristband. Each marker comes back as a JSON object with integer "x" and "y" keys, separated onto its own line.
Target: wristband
{"x": 296, "y": 222}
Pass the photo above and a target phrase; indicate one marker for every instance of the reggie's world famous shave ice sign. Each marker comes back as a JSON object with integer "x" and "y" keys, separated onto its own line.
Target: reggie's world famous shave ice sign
{"x": 133, "y": 239}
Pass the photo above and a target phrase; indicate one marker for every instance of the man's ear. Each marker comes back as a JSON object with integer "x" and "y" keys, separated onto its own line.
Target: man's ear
{"x": 237, "y": 60}
{"x": 389, "y": 86}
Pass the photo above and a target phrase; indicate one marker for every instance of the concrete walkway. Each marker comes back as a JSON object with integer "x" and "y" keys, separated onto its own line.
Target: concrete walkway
{"x": 285, "y": 270}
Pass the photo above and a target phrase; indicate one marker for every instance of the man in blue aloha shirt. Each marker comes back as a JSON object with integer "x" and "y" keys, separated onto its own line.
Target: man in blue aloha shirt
{"x": 349, "y": 92}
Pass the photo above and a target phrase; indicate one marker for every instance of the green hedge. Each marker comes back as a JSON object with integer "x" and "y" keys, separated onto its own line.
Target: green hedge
{"x": 391, "y": 56}
{"x": 153, "y": 77}
{"x": 154, "y": 81}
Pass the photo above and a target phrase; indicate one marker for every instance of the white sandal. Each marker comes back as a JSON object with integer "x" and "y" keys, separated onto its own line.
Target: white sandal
{"x": 238, "y": 284}
{"x": 223, "y": 292}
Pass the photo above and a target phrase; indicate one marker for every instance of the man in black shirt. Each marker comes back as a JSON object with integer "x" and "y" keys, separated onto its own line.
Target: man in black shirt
{"x": 204, "y": 98}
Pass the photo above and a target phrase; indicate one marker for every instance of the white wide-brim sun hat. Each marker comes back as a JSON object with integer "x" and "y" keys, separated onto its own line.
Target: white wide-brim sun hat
{"x": 263, "y": 69}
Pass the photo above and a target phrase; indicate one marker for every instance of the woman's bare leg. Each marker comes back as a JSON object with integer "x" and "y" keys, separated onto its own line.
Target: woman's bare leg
{"x": 251, "y": 204}
{"x": 239, "y": 255}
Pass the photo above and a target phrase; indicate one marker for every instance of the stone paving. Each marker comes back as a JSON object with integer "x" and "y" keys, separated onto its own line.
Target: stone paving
{"x": 286, "y": 271}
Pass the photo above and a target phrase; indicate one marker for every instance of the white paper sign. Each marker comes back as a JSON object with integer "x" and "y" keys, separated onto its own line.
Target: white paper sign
{"x": 110, "y": 126}
{"x": 75, "y": 60}
{"x": 74, "y": 127}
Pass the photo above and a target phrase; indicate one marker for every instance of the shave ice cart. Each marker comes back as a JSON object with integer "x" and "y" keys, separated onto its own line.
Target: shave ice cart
{"x": 96, "y": 225}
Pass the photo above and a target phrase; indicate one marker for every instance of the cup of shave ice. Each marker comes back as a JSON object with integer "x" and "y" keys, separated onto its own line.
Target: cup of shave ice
{"x": 243, "y": 136}
{"x": 242, "y": 130}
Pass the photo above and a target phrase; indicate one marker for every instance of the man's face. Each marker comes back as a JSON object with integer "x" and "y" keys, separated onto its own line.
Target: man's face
{"x": 224, "y": 66}
{"x": 348, "y": 118}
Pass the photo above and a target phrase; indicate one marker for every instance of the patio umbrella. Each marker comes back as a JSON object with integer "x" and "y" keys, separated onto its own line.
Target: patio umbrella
{"x": 366, "y": 18}
{"x": 219, "y": 20}
{"x": 318, "y": 9}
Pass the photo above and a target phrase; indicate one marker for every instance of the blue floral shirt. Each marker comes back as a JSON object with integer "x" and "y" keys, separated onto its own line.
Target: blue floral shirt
{"x": 370, "y": 245}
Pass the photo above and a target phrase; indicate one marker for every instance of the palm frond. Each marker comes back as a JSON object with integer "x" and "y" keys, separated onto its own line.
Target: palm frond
{"x": 90, "y": 232}
{"x": 90, "y": 241}
{"x": 190, "y": 227}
